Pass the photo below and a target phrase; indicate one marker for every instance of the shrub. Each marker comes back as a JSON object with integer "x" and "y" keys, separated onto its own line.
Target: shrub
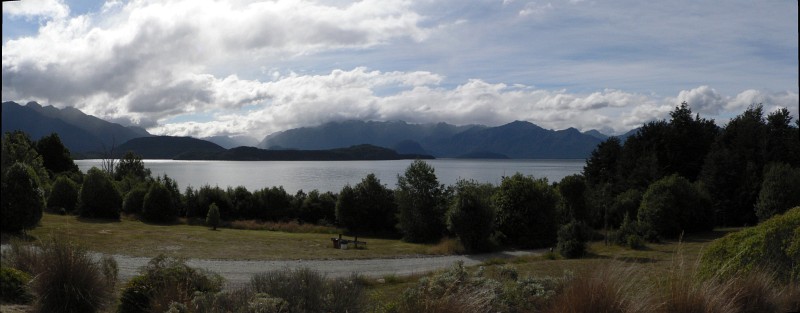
{"x": 572, "y": 239}
{"x": 673, "y": 205}
{"x": 158, "y": 205}
{"x": 306, "y": 290}
{"x": 134, "y": 200}
{"x": 212, "y": 219}
{"x": 22, "y": 200}
{"x": 239, "y": 300}
{"x": 64, "y": 194}
{"x": 526, "y": 211}
{"x": 775, "y": 196}
{"x": 69, "y": 280}
{"x": 630, "y": 234}
{"x": 771, "y": 246}
{"x": 163, "y": 281}
{"x": 99, "y": 197}
{"x": 14, "y": 286}
{"x": 471, "y": 216}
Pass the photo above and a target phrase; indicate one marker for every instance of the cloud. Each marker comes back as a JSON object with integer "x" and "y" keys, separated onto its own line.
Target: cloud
{"x": 161, "y": 57}
{"x": 703, "y": 99}
{"x": 50, "y": 9}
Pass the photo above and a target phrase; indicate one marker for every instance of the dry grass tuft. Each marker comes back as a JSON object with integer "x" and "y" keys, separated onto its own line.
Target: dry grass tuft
{"x": 447, "y": 246}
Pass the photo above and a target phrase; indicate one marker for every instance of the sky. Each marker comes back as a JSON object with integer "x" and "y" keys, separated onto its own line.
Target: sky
{"x": 250, "y": 68}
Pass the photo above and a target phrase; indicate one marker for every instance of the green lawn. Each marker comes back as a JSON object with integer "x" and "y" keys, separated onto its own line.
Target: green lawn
{"x": 131, "y": 237}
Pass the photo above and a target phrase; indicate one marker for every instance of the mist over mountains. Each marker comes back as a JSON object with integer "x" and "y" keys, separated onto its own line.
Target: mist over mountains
{"x": 87, "y": 136}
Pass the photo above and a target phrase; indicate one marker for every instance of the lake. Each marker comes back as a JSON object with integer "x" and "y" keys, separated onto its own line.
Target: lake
{"x": 333, "y": 175}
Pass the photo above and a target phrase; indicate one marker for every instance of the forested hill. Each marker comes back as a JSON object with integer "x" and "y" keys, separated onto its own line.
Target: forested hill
{"x": 79, "y": 132}
{"x": 515, "y": 140}
{"x": 187, "y": 148}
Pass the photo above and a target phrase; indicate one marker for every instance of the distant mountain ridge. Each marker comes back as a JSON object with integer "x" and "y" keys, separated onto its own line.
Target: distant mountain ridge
{"x": 81, "y": 133}
{"x": 518, "y": 139}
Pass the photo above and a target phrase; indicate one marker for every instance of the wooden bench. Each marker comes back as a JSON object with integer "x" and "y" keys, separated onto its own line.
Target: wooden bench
{"x": 338, "y": 242}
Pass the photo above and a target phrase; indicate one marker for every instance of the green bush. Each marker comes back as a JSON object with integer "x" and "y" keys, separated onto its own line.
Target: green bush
{"x": 630, "y": 234}
{"x": 14, "y": 286}
{"x": 306, "y": 290}
{"x": 134, "y": 201}
{"x": 22, "y": 200}
{"x": 99, "y": 197}
{"x": 572, "y": 239}
{"x": 163, "y": 281}
{"x": 64, "y": 194}
{"x": 772, "y": 246}
{"x": 672, "y": 205}
{"x": 471, "y": 216}
{"x": 158, "y": 205}
{"x": 369, "y": 206}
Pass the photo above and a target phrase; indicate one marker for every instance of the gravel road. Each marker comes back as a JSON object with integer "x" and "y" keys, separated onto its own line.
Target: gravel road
{"x": 238, "y": 272}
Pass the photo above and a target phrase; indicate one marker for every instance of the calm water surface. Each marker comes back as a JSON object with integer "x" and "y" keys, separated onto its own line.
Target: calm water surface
{"x": 333, "y": 175}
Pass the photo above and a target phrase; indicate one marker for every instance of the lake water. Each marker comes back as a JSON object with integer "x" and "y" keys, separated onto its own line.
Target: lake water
{"x": 333, "y": 175}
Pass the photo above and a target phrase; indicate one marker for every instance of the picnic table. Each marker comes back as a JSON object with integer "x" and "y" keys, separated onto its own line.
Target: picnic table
{"x": 340, "y": 243}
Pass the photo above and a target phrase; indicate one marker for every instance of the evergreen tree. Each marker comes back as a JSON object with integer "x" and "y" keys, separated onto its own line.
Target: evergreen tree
{"x": 158, "y": 206}
{"x": 780, "y": 190}
{"x": 471, "y": 216}
{"x": 367, "y": 207}
{"x": 99, "y": 197}
{"x": 64, "y": 194}
{"x": 55, "y": 156}
{"x": 212, "y": 218}
{"x": 22, "y": 200}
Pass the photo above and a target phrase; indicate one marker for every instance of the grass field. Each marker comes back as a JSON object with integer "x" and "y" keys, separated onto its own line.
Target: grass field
{"x": 134, "y": 238}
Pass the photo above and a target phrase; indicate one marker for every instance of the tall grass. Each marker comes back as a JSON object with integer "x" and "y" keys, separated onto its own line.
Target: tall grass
{"x": 289, "y": 227}
{"x": 65, "y": 277}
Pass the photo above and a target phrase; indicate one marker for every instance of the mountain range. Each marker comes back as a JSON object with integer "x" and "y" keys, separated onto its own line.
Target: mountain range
{"x": 89, "y": 136}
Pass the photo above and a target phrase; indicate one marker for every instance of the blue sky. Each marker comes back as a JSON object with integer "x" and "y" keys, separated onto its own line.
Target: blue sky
{"x": 203, "y": 67}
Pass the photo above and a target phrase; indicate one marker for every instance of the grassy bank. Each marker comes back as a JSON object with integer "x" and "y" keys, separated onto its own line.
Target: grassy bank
{"x": 131, "y": 237}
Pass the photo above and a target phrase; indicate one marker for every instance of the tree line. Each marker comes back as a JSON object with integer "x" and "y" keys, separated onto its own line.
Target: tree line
{"x": 679, "y": 175}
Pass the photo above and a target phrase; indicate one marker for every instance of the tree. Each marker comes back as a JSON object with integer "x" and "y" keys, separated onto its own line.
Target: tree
{"x": 131, "y": 165}
{"x": 421, "y": 203}
{"x": 158, "y": 206}
{"x": 64, "y": 194}
{"x": 99, "y": 197}
{"x": 212, "y": 219}
{"x": 134, "y": 200}
{"x": 672, "y": 205}
{"x": 55, "y": 155}
{"x": 18, "y": 148}
{"x": 471, "y": 216}
{"x": 367, "y": 207}
{"x": 780, "y": 190}
{"x": 526, "y": 211}
{"x": 734, "y": 166}
{"x": 572, "y": 238}
{"x": 22, "y": 200}
{"x": 573, "y": 197}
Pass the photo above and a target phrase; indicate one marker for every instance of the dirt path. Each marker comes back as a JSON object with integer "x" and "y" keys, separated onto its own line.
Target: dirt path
{"x": 238, "y": 272}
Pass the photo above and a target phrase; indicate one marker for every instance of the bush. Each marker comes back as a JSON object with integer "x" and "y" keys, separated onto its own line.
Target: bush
{"x": 99, "y": 197}
{"x": 22, "y": 200}
{"x": 773, "y": 246}
{"x": 630, "y": 234}
{"x": 672, "y": 205}
{"x": 158, "y": 205}
{"x": 69, "y": 280}
{"x": 134, "y": 201}
{"x": 64, "y": 194}
{"x": 776, "y": 195}
{"x": 14, "y": 286}
{"x": 471, "y": 216}
{"x": 163, "y": 281}
{"x": 306, "y": 290}
{"x": 572, "y": 239}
